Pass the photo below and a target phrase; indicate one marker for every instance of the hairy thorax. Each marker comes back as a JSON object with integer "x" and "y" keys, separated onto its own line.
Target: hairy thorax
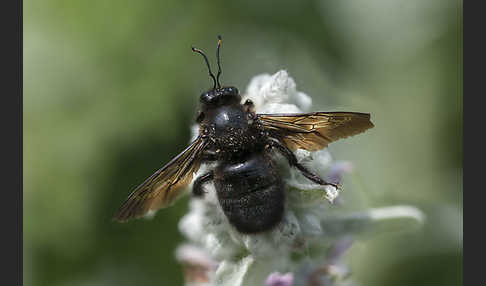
{"x": 231, "y": 130}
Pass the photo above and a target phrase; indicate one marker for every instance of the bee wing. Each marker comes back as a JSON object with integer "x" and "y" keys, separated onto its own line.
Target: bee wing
{"x": 314, "y": 131}
{"x": 164, "y": 186}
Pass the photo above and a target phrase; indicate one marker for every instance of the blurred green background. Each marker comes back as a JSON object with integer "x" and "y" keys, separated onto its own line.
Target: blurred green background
{"x": 111, "y": 88}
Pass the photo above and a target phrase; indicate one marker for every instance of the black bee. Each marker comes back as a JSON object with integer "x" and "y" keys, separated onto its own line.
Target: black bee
{"x": 249, "y": 188}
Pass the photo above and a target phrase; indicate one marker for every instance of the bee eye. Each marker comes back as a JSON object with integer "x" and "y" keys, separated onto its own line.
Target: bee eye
{"x": 208, "y": 97}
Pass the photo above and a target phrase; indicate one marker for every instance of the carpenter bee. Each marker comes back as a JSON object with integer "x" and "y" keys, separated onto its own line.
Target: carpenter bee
{"x": 249, "y": 188}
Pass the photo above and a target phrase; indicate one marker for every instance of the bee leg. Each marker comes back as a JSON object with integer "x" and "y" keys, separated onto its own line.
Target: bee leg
{"x": 249, "y": 106}
{"x": 197, "y": 187}
{"x": 284, "y": 150}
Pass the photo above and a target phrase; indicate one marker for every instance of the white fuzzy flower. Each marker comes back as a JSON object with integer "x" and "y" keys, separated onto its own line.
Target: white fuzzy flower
{"x": 310, "y": 220}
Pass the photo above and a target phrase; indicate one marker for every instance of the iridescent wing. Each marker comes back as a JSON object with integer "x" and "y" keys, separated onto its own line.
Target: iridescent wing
{"x": 314, "y": 131}
{"x": 164, "y": 186}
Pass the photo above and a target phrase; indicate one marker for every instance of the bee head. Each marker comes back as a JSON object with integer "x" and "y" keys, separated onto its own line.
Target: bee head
{"x": 220, "y": 96}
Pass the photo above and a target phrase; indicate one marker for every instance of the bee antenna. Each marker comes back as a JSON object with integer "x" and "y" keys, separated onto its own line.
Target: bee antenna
{"x": 220, "y": 40}
{"x": 196, "y": 50}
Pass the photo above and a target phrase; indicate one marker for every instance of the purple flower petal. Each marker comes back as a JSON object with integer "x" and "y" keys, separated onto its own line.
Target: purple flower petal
{"x": 338, "y": 169}
{"x": 278, "y": 279}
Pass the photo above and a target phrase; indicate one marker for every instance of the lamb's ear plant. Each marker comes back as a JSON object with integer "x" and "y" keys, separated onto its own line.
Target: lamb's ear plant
{"x": 307, "y": 245}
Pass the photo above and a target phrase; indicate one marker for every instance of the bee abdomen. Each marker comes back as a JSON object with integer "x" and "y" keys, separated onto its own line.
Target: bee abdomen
{"x": 251, "y": 194}
{"x": 257, "y": 211}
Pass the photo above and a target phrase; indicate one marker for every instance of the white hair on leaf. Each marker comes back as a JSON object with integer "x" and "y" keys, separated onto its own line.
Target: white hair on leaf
{"x": 310, "y": 220}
